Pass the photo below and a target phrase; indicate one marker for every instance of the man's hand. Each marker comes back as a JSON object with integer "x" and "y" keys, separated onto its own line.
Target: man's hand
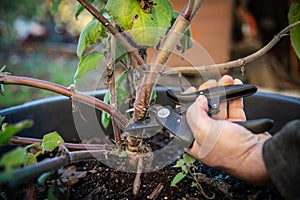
{"x": 225, "y": 145}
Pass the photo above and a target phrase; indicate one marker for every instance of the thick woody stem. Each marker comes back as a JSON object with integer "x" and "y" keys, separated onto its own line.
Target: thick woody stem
{"x": 160, "y": 58}
{"x": 112, "y": 29}
{"x": 91, "y": 101}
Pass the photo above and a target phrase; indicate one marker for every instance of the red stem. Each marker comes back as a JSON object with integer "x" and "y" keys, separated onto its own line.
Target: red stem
{"x": 59, "y": 89}
{"x": 70, "y": 146}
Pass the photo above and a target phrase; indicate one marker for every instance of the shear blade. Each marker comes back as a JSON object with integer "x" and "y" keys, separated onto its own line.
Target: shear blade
{"x": 144, "y": 128}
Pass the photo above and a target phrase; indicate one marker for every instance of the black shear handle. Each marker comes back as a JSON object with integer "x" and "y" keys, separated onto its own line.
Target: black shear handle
{"x": 223, "y": 93}
{"x": 257, "y": 125}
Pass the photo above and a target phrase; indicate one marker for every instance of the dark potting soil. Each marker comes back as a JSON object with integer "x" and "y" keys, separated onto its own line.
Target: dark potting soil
{"x": 96, "y": 181}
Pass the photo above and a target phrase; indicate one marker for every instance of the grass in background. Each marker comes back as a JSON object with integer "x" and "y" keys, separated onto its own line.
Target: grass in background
{"x": 58, "y": 69}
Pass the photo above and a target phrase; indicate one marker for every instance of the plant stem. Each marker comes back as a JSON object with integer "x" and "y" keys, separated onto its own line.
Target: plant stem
{"x": 168, "y": 44}
{"x": 235, "y": 63}
{"x": 189, "y": 10}
{"x": 114, "y": 107}
{"x": 20, "y": 175}
{"x": 91, "y": 101}
{"x": 16, "y": 140}
{"x": 113, "y": 30}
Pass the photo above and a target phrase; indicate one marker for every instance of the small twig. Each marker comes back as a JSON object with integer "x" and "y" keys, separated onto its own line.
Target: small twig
{"x": 16, "y": 140}
{"x": 113, "y": 30}
{"x": 111, "y": 80}
{"x": 235, "y": 63}
{"x": 89, "y": 100}
{"x": 114, "y": 106}
{"x": 157, "y": 190}
{"x": 137, "y": 181}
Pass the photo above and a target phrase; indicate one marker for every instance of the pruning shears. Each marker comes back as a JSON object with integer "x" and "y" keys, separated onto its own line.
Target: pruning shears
{"x": 175, "y": 122}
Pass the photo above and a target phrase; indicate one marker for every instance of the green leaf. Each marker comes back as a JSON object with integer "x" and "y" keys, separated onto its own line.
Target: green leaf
{"x": 42, "y": 178}
{"x": 30, "y": 159}
{"x": 179, "y": 176}
{"x": 105, "y": 117}
{"x": 55, "y": 6}
{"x": 294, "y": 16}
{"x": 179, "y": 164}
{"x": 51, "y": 195}
{"x": 188, "y": 160}
{"x": 91, "y": 34}
{"x": 147, "y": 28}
{"x": 11, "y": 129}
{"x": 13, "y": 158}
{"x": 154, "y": 95}
{"x": 51, "y": 141}
{"x": 87, "y": 63}
{"x": 121, "y": 99}
{"x": 194, "y": 184}
{"x": 36, "y": 144}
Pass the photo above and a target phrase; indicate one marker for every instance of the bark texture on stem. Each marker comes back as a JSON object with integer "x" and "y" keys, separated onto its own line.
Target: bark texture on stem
{"x": 168, "y": 44}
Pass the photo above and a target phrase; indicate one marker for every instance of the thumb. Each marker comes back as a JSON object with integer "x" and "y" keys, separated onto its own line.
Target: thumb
{"x": 198, "y": 119}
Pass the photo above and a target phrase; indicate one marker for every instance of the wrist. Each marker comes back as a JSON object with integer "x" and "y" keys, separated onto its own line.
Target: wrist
{"x": 251, "y": 167}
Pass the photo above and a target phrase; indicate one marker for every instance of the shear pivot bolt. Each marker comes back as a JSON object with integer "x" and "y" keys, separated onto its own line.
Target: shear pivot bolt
{"x": 163, "y": 113}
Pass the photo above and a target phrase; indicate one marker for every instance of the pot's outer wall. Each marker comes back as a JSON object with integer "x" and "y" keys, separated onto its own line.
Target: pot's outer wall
{"x": 279, "y": 108}
{"x": 55, "y": 114}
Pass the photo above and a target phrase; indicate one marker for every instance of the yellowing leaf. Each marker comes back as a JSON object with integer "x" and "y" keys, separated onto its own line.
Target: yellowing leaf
{"x": 294, "y": 16}
{"x": 30, "y": 159}
{"x": 146, "y": 28}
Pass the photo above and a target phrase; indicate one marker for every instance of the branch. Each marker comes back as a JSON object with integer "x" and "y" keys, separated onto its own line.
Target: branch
{"x": 168, "y": 44}
{"x": 15, "y": 177}
{"x": 114, "y": 107}
{"x": 189, "y": 9}
{"x": 91, "y": 101}
{"x": 235, "y": 63}
{"x": 16, "y": 140}
{"x": 113, "y": 30}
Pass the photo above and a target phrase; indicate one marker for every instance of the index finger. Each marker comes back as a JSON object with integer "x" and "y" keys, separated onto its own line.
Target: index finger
{"x": 236, "y": 107}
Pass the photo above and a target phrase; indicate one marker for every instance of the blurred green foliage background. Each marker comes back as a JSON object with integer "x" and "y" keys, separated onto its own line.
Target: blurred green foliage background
{"x": 37, "y": 44}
